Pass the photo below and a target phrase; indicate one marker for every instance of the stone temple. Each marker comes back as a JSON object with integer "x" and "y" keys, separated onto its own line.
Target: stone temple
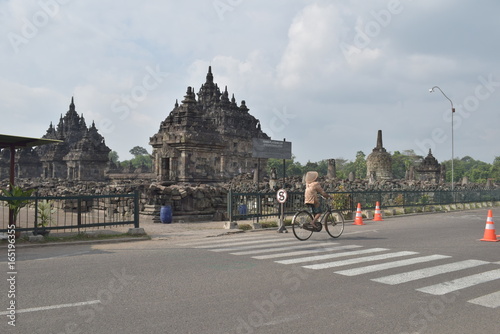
{"x": 379, "y": 162}
{"x": 83, "y": 154}
{"x": 206, "y": 138}
{"x": 430, "y": 170}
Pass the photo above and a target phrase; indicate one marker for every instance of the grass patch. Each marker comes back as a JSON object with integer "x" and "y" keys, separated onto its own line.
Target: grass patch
{"x": 269, "y": 224}
{"x": 245, "y": 227}
{"x": 78, "y": 237}
{"x": 90, "y": 236}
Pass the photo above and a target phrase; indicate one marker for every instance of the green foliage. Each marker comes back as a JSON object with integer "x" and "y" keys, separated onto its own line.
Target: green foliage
{"x": 340, "y": 166}
{"x": 141, "y": 157}
{"x": 401, "y": 162}
{"x": 269, "y": 224}
{"x": 137, "y": 151}
{"x": 399, "y": 200}
{"x": 244, "y": 227}
{"x": 45, "y": 210}
{"x": 358, "y": 167}
{"x": 16, "y": 204}
{"x": 138, "y": 162}
{"x": 113, "y": 156}
{"x": 340, "y": 201}
{"x": 495, "y": 170}
{"x": 424, "y": 199}
{"x": 477, "y": 171}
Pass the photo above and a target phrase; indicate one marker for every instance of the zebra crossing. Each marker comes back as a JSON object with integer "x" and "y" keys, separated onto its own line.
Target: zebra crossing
{"x": 332, "y": 255}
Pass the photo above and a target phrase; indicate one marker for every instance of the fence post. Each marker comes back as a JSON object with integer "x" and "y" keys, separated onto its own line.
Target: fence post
{"x": 230, "y": 205}
{"x": 36, "y": 211}
{"x": 79, "y": 212}
{"x": 353, "y": 203}
{"x": 136, "y": 209}
{"x": 259, "y": 208}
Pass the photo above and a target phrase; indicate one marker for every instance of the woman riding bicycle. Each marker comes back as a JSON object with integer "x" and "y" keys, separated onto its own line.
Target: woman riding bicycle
{"x": 311, "y": 196}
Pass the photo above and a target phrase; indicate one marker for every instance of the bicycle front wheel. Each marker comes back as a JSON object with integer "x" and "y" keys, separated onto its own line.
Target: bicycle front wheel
{"x": 299, "y": 220}
{"x": 334, "y": 223}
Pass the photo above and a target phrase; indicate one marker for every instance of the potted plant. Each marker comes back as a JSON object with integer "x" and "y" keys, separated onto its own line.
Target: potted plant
{"x": 44, "y": 217}
{"x": 16, "y": 204}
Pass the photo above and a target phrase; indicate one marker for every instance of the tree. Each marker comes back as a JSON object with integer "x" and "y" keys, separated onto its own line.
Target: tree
{"x": 401, "y": 162}
{"x": 113, "y": 156}
{"x": 292, "y": 167}
{"x": 141, "y": 157}
{"x": 475, "y": 170}
{"x": 495, "y": 169}
{"x": 340, "y": 166}
{"x": 358, "y": 167}
{"x": 137, "y": 151}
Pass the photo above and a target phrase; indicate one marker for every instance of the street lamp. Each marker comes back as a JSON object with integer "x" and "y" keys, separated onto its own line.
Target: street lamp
{"x": 452, "y": 112}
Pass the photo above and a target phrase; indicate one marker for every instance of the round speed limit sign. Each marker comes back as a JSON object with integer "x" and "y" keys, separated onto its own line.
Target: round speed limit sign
{"x": 281, "y": 196}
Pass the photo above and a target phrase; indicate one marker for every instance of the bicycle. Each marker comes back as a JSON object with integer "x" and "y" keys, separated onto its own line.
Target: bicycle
{"x": 332, "y": 219}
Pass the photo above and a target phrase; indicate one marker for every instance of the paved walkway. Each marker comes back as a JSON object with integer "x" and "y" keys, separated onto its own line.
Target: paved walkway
{"x": 176, "y": 230}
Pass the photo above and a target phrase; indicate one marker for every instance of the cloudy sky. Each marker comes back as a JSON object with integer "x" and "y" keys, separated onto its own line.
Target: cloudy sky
{"x": 325, "y": 75}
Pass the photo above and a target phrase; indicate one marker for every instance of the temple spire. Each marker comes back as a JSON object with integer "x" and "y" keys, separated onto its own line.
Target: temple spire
{"x": 210, "y": 77}
{"x": 72, "y": 105}
{"x": 379, "y": 140}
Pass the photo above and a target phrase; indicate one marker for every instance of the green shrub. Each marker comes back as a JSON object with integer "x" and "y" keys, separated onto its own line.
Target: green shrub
{"x": 269, "y": 224}
{"x": 244, "y": 227}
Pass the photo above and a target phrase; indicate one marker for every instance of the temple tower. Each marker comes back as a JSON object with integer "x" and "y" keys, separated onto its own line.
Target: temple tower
{"x": 429, "y": 169}
{"x": 379, "y": 162}
{"x": 208, "y": 139}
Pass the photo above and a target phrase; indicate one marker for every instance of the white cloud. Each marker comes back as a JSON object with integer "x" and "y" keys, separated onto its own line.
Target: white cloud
{"x": 301, "y": 65}
{"x": 312, "y": 46}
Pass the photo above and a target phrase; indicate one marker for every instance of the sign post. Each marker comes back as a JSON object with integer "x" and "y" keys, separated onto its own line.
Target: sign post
{"x": 281, "y": 196}
{"x": 274, "y": 149}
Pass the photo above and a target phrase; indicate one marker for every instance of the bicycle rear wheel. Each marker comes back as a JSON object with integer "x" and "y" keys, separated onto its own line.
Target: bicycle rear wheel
{"x": 334, "y": 223}
{"x": 298, "y": 221}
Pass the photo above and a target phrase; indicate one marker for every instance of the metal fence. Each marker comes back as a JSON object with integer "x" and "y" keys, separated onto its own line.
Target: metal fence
{"x": 258, "y": 205}
{"x": 73, "y": 212}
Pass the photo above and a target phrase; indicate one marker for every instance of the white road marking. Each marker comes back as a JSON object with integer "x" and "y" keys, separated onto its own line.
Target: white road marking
{"x": 389, "y": 265}
{"x": 215, "y": 240}
{"x": 59, "y": 256}
{"x": 238, "y": 243}
{"x": 304, "y": 252}
{"x": 278, "y": 249}
{"x": 428, "y": 272}
{"x": 270, "y": 244}
{"x": 331, "y": 256}
{"x": 492, "y": 300}
{"x": 358, "y": 260}
{"x": 52, "y": 307}
{"x": 461, "y": 283}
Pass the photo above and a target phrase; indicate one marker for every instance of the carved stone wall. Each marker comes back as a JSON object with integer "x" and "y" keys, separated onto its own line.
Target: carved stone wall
{"x": 429, "y": 169}
{"x": 379, "y": 162}
{"x": 83, "y": 154}
{"x": 208, "y": 139}
{"x": 209, "y": 201}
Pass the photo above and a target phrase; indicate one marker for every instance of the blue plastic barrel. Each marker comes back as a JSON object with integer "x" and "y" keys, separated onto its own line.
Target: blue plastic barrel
{"x": 242, "y": 209}
{"x": 166, "y": 214}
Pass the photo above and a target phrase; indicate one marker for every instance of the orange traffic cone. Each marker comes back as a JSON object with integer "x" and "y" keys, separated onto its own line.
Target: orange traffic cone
{"x": 378, "y": 216}
{"x": 489, "y": 230}
{"x": 359, "y": 216}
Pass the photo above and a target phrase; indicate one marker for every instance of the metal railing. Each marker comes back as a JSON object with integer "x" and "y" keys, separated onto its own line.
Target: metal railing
{"x": 73, "y": 212}
{"x": 258, "y": 205}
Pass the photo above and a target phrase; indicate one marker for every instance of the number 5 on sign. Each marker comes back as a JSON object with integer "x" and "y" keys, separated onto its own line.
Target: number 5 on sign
{"x": 281, "y": 196}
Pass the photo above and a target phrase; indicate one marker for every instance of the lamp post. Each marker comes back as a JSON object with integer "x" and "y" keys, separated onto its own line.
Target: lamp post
{"x": 452, "y": 147}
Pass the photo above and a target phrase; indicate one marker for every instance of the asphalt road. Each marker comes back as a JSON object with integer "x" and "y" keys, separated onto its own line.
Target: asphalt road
{"x": 413, "y": 274}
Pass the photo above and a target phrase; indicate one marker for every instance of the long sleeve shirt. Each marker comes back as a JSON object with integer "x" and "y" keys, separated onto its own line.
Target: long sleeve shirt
{"x": 311, "y": 194}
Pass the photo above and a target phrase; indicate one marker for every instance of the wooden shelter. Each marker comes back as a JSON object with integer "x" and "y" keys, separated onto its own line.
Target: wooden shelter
{"x": 14, "y": 142}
